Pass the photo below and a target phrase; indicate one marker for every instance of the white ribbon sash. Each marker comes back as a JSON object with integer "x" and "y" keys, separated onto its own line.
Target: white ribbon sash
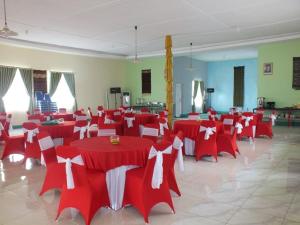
{"x": 69, "y": 174}
{"x": 129, "y": 121}
{"x": 239, "y": 127}
{"x": 108, "y": 121}
{"x": 273, "y": 118}
{"x": 31, "y": 133}
{"x": 178, "y": 144}
{"x": 148, "y": 131}
{"x": 162, "y": 127}
{"x": 1, "y": 128}
{"x": 158, "y": 171}
{"x": 100, "y": 112}
{"x": 228, "y": 121}
{"x": 82, "y": 131}
{"x": 247, "y": 120}
{"x": 46, "y": 143}
{"x": 208, "y": 131}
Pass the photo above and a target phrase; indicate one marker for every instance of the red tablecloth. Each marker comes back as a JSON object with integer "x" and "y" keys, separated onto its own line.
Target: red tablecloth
{"x": 65, "y": 116}
{"x": 190, "y": 128}
{"x": 99, "y": 153}
{"x": 59, "y": 130}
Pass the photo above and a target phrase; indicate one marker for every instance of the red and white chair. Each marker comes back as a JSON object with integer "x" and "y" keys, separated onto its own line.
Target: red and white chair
{"x": 265, "y": 128}
{"x": 55, "y": 173}
{"x": 81, "y": 117}
{"x": 146, "y": 187}
{"x": 206, "y": 144}
{"x": 226, "y": 142}
{"x": 130, "y": 125}
{"x": 163, "y": 126}
{"x": 13, "y": 145}
{"x": 228, "y": 123}
{"x": 212, "y": 114}
{"x": 194, "y": 116}
{"x": 94, "y": 118}
{"x": 249, "y": 125}
{"x": 80, "y": 132}
{"x": 100, "y": 111}
{"x": 106, "y": 130}
{"x": 145, "y": 110}
{"x": 32, "y": 148}
{"x": 86, "y": 191}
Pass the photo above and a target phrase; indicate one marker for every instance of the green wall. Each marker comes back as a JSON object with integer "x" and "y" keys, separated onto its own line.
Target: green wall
{"x": 278, "y": 87}
{"x": 133, "y": 81}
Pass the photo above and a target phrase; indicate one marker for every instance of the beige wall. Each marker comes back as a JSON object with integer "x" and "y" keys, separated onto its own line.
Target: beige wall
{"x": 93, "y": 76}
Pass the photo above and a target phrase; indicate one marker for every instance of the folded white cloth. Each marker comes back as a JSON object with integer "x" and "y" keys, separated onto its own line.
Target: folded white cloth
{"x": 208, "y": 131}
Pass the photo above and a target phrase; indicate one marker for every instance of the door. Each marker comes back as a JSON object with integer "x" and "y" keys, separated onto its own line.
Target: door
{"x": 238, "y": 88}
{"x": 178, "y": 100}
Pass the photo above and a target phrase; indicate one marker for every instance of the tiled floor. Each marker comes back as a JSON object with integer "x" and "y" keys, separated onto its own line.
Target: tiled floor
{"x": 261, "y": 186}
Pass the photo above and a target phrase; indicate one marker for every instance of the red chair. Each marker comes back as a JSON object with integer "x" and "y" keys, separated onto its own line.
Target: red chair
{"x": 83, "y": 190}
{"x": 193, "y": 116}
{"x": 228, "y": 123}
{"x": 226, "y": 142}
{"x": 212, "y": 114}
{"x": 13, "y": 145}
{"x": 55, "y": 173}
{"x": 106, "y": 129}
{"x": 206, "y": 143}
{"x": 32, "y": 148}
{"x": 163, "y": 126}
{"x": 81, "y": 116}
{"x": 150, "y": 131}
{"x": 146, "y": 187}
{"x": 100, "y": 111}
{"x": 130, "y": 126}
{"x": 248, "y": 122}
{"x": 80, "y": 132}
{"x": 94, "y": 119}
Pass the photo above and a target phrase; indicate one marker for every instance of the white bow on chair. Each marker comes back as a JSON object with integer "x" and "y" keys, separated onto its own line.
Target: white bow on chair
{"x": 100, "y": 112}
{"x": 69, "y": 174}
{"x": 178, "y": 144}
{"x": 162, "y": 126}
{"x": 239, "y": 127}
{"x": 82, "y": 131}
{"x": 31, "y": 134}
{"x": 247, "y": 120}
{"x": 1, "y": 128}
{"x": 129, "y": 121}
{"x": 208, "y": 131}
{"x": 273, "y": 118}
{"x": 108, "y": 121}
{"x": 158, "y": 171}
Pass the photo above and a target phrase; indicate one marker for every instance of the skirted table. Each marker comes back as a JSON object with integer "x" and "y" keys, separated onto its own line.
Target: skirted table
{"x": 100, "y": 154}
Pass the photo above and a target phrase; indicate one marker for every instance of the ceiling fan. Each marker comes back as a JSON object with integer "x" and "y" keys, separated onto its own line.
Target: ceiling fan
{"x": 5, "y": 31}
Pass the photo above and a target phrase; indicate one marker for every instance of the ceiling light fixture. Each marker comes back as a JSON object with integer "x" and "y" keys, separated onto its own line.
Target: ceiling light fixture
{"x": 136, "y": 60}
{"x": 5, "y": 31}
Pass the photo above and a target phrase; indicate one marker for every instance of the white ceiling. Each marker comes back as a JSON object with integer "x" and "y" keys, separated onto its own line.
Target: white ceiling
{"x": 108, "y": 25}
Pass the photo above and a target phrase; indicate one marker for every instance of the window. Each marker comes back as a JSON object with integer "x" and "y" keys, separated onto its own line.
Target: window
{"x": 197, "y": 98}
{"x": 146, "y": 81}
{"x": 63, "y": 96}
{"x": 17, "y": 98}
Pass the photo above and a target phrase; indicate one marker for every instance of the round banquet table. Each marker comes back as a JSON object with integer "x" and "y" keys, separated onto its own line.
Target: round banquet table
{"x": 98, "y": 153}
{"x": 115, "y": 160}
{"x": 190, "y": 129}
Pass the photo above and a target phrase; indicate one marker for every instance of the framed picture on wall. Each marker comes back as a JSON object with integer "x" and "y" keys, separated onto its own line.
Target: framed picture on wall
{"x": 268, "y": 68}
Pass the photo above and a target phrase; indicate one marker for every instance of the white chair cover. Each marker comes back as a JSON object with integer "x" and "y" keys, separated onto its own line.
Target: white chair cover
{"x": 162, "y": 127}
{"x": 106, "y": 132}
{"x": 189, "y": 146}
{"x": 208, "y": 131}
{"x": 273, "y": 118}
{"x": 149, "y": 131}
{"x": 178, "y": 144}
{"x": 30, "y": 134}
{"x": 247, "y": 120}
{"x": 193, "y": 117}
{"x": 239, "y": 127}
{"x": 1, "y": 128}
{"x": 228, "y": 121}
{"x": 45, "y": 144}
{"x": 69, "y": 175}
{"x": 82, "y": 131}
{"x": 157, "y": 176}
{"x": 129, "y": 121}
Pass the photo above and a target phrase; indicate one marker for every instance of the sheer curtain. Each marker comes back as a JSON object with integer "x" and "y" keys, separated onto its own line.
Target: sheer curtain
{"x": 54, "y": 81}
{"x": 202, "y": 94}
{"x": 26, "y": 75}
{"x": 195, "y": 90}
{"x": 7, "y": 75}
{"x": 70, "y": 79}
